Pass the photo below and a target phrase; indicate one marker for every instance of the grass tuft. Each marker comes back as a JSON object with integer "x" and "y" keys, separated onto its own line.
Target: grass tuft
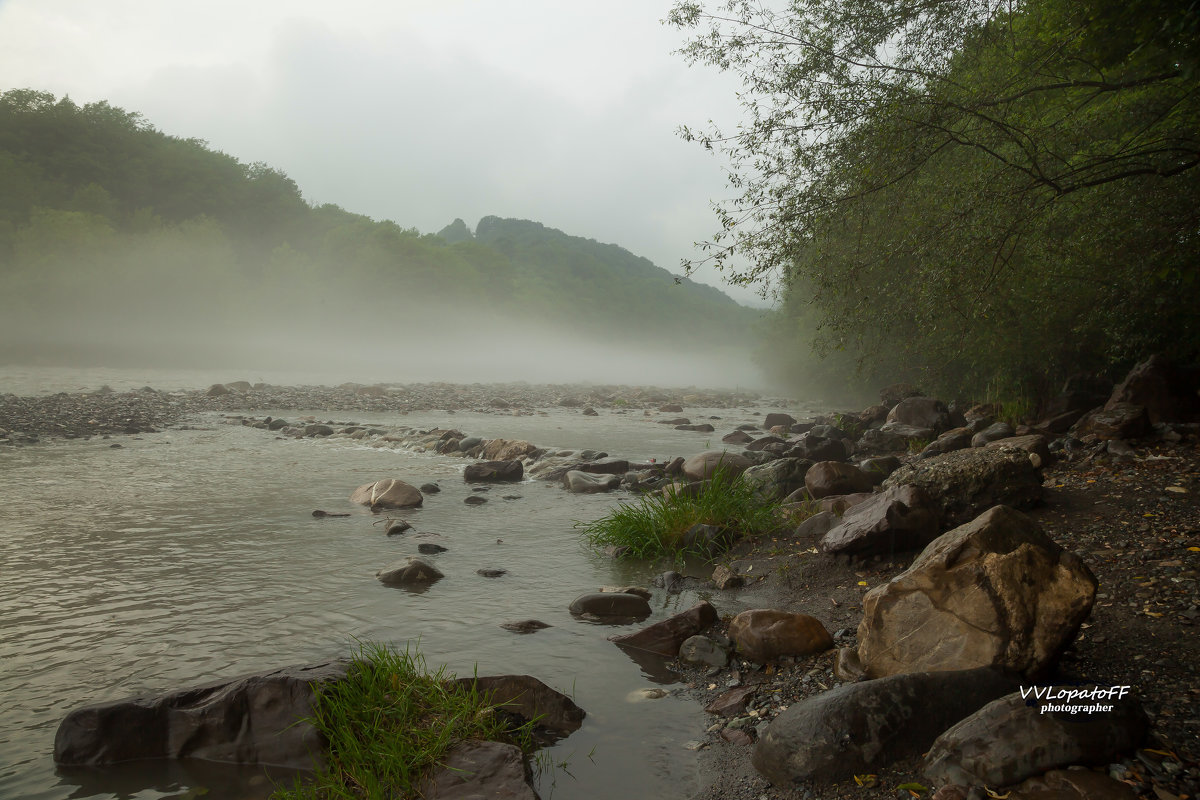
{"x": 655, "y": 525}
{"x": 390, "y": 722}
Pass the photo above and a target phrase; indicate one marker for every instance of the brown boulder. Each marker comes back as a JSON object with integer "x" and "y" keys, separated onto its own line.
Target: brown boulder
{"x": 664, "y": 638}
{"x": 965, "y": 483}
{"x": 765, "y": 634}
{"x": 1167, "y": 393}
{"x": 994, "y": 592}
{"x": 387, "y": 493}
{"x": 1114, "y": 421}
{"x": 827, "y": 478}
{"x": 530, "y": 699}
{"x": 920, "y": 412}
{"x": 475, "y": 769}
{"x": 702, "y": 465}
{"x": 901, "y": 518}
{"x": 489, "y": 471}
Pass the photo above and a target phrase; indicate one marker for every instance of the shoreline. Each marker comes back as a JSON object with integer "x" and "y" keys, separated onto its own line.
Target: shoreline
{"x": 1097, "y": 509}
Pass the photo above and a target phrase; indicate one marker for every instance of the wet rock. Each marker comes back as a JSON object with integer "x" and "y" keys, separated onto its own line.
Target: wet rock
{"x": 1167, "y": 392}
{"x": 1034, "y": 444}
{"x": 900, "y": 518}
{"x": 525, "y": 625}
{"x": 665, "y": 638}
{"x": 387, "y": 493}
{"x": 217, "y": 390}
{"x": 590, "y": 412}
{"x": 511, "y": 470}
{"x": 254, "y": 719}
{"x": 429, "y": 548}
{"x": 920, "y": 412}
{"x": 1114, "y": 421}
{"x": 993, "y": 432}
{"x": 412, "y": 571}
{"x": 737, "y": 437}
{"x": 319, "y": 514}
{"x": 397, "y": 527}
{"x": 474, "y": 769}
{"x": 948, "y": 442}
{"x": 531, "y": 700}
{"x": 835, "y": 477}
{"x": 879, "y": 467}
{"x": 994, "y": 592}
{"x": 638, "y": 590}
{"x": 578, "y": 482}
{"x": 611, "y": 604}
{"x": 491, "y": 573}
{"x": 702, "y": 650}
{"x": 765, "y": 634}
{"x": 1010, "y": 739}
{"x": 708, "y": 540}
{"x": 724, "y": 578}
{"x": 506, "y": 449}
{"x": 966, "y": 483}
{"x": 732, "y": 702}
{"x": 475, "y": 500}
{"x": 702, "y": 465}
{"x": 778, "y": 478}
{"x": 862, "y": 727}
{"x": 605, "y": 466}
{"x": 839, "y": 504}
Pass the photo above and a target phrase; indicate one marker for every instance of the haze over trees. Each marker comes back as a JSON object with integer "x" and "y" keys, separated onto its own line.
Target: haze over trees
{"x": 118, "y": 241}
{"x": 980, "y": 196}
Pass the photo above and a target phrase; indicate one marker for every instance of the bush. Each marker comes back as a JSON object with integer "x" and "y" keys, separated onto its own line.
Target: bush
{"x": 655, "y": 525}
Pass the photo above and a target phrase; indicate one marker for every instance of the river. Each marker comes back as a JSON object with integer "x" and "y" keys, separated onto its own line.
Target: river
{"x": 192, "y": 554}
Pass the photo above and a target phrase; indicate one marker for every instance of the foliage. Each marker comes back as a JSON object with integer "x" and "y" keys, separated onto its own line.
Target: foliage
{"x": 109, "y": 222}
{"x": 955, "y": 191}
{"x": 390, "y": 722}
{"x": 655, "y": 525}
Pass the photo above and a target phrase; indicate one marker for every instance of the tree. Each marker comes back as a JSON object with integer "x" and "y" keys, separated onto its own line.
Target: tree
{"x": 937, "y": 174}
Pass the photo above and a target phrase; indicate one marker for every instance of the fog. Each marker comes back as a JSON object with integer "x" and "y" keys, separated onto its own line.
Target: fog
{"x": 134, "y": 310}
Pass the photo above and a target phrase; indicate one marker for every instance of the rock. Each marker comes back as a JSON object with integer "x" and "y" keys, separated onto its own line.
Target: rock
{"x": 253, "y": 719}
{"x": 765, "y": 634}
{"x": 412, "y": 571}
{"x": 948, "y": 442}
{"x": 777, "y": 418}
{"x": 846, "y": 666}
{"x": 1168, "y": 393}
{"x": 703, "y": 427}
{"x": 611, "y": 604}
{"x": 701, "y": 650}
{"x": 835, "y": 477}
{"x": 737, "y": 437}
{"x": 491, "y": 573}
{"x": 317, "y": 429}
{"x": 217, "y": 390}
{"x": 605, "y": 466}
{"x": 764, "y": 442}
{"x": 506, "y": 449}
{"x": 966, "y": 483}
{"x": 430, "y": 488}
{"x": 640, "y": 591}
{"x": 1010, "y": 740}
{"x": 900, "y": 518}
{"x": 525, "y": 625}
{"x": 671, "y": 408}
{"x": 880, "y": 467}
{"x": 777, "y": 479}
{"x": 578, "y": 482}
{"x": 702, "y": 465}
{"x": 1114, "y": 421}
{"x": 531, "y": 700}
{"x": 665, "y": 638}
{"x": 1034, "y": 444}
{"x": 429, "y": 548}
{"x": 387, "y": 493}
{"x": 469, "y": 443}
{"x": 724, "y": 578}
{"x": 863, "y": 727}
{"x": 816, "y": 526}
{"x": 732, "y": 702}
{"x": 494, "y": 471}
{"x": 893, "y": 437}
{"x": 590, "y": 412}
{"x": 997, "y": 430}
{"x": 823, "y": 443}
{"x": 839, "y": 504}
{"x": 920, "y": 412}
{"x": 994, "y": 592}
{"x": 475, "y": 769}
{"x": 1073, "y": 784}
{"x": 397, "y": 527}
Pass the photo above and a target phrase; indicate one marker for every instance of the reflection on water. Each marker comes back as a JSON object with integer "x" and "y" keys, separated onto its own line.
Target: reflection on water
{"x": 190, "y": 555}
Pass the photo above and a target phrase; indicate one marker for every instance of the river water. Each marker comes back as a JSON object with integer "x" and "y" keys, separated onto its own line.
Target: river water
{"x": 191, "y": 554}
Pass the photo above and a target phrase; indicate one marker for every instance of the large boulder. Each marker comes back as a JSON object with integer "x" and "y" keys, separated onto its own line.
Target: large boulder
{"x": 578, "y": 482}
{"x": 994, "y": 592}
{"x": 476, "y": 769}
{"x": 506, "y": 449}
{"x": 765, "y": 634}
{"x": 861, "y": 727}
{"x": 948, "y": 442}
{"x": 777, "y": 479}
{"x": 702, "y": 465}
{"x": 1017, "y": 737}
{"x": 387, "y": 493}
{"x": 901, "y": 518}
{"x": 827, "y": 478}
{"x": 992, "y": 433}
{"x": 894, "y": 437}
{"x": 966, "y": 483}
{"x": 253, "y": 719}
{"x": 485, "y": 471}
{"x": 823, "y": 443}
{"x": 528, "y": 698}
{"x": 1114, "y": 421}
{"x": 921, "y": 412}
{"x": 1168, "y": 393}
{"x": 610, "y": 604}
{"x": 666, "y": 637}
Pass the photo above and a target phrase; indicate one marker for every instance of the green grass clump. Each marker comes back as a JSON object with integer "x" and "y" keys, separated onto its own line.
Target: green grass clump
{"x": 655, "y": 525}
{"x": 389, "y": 723}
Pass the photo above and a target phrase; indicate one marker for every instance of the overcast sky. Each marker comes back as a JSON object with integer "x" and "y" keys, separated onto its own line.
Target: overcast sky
{"x": 419, "y": 111}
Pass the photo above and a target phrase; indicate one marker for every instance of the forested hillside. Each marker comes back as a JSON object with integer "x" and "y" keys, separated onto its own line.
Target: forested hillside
{"x": 980, "y": 197}
{"x": 112, "y": 233}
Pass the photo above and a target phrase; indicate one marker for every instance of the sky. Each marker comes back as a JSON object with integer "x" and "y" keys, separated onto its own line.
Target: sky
{"x": 418, "y": 111}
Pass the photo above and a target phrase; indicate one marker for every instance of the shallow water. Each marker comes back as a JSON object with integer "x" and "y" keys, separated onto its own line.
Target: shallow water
{"x": 189, "y": 555}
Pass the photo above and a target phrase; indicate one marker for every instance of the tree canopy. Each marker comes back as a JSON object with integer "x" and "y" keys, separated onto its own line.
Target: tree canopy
{"x": 971, "y": 193}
